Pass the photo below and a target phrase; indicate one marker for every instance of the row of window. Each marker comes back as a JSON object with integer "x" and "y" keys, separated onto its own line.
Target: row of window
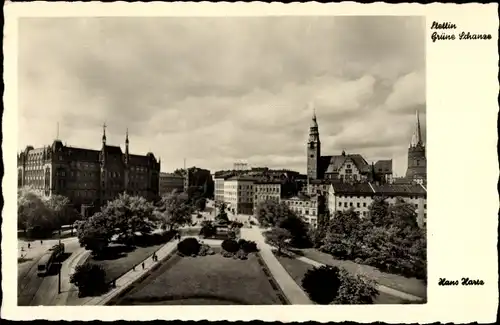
{"x": 350, "y": 204}
{"x": 300, "y": 203}
{"x": 267, "y": 189}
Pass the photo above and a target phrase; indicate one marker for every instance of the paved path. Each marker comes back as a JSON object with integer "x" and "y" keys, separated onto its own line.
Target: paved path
{"x": 290, "y": 288}
{"x": 131, "y": 276}
{"x": 380, "y": 287}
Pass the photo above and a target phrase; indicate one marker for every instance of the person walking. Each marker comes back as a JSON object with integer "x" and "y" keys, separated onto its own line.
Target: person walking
{"x": 143, "y": 265}
{"x": 29, "y": 245}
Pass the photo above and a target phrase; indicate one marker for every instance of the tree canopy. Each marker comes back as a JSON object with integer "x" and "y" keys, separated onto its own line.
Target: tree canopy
{"x": 41, "y": 215}
{"x": 279, "y": 237}
{"x": 174, "y": 209}
{"x": 389, "y": 238}
{"x": 274, "y": 214}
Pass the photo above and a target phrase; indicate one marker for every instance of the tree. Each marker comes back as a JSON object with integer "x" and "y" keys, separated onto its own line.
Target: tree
{"x": 274, "y": 214}
{"x": 63, "y": 211}
{"x": 201, "y": 204}
{"x": 378, "y": 211}
{"x": 95, "y": 233}
{"x": 322, "y": 284}
{"x": 34, "y": 213}
{"x": 279, "y": 237}
{"x": 271, "y": 213}
{"x": 174, "y": 210}
{"x": 129, "y": 215}
{"x": 355, "y": 290}
{"x": 90, "y": 279}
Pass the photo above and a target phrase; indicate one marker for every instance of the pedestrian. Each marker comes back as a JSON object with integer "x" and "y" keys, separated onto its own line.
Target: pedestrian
{"x": 41, "y": 242}
{"x": 143, "y": 265}
{"x": 133, "y": 268}
{"x": 29, "y": 245}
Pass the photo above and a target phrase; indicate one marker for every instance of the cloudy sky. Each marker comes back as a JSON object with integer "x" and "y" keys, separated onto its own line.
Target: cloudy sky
{"x": 220, "y": 90}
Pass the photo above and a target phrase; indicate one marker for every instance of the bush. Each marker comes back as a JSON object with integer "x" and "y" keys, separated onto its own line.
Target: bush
{"x": 206, "y": 250}
{"x": 248, "y": 246}
{"x": 226, "y": 254}
{"x": 252, "y": 222}
{"x": 322, "y": 284}
{"x": 355, "y": 290}
{"x": 90, "y": 279}
{"x": 208, "y": 230}
{"x": 189, "y": 247}
{"x": 230, "y": 245}
{"x": 199, "y": 216}
{"x": 242, "y": 255}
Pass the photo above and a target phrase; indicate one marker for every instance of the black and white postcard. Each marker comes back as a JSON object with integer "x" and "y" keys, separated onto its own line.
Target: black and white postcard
{"x": 216, "y": 161}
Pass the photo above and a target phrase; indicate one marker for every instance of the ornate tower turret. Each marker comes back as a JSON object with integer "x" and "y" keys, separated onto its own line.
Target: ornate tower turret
{"x": 126, "y": 161}
{"x": 313, "y": 149}
{"x": 102, "y": 158}
{"x": 417, "y": 162}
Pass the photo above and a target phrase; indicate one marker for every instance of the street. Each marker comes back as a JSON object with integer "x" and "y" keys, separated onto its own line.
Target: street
{"x": 34, "y": 290}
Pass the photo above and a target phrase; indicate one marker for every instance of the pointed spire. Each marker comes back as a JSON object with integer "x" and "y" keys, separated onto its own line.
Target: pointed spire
{"x": 126, "y": 137}
{"x": 416, "y": 139}
{"x": 314, "y": 122}
{"x": 104, "y": 133}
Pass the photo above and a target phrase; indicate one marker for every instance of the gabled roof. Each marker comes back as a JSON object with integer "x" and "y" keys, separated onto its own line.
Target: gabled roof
{"x": 81, "y": 154}
{"x": 332, "y": 164}
{"x": 383, "y": 166}
{"x": 399, "y": 189}
{"x": 114, "y": 150}
{"x": 353, "y": 189}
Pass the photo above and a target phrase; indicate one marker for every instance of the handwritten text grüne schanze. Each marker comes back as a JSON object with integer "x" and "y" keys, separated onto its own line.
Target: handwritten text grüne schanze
{"x": 447, "y": 36}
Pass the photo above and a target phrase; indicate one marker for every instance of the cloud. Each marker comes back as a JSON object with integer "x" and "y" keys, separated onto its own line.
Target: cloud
{"x": 217, "y": 90}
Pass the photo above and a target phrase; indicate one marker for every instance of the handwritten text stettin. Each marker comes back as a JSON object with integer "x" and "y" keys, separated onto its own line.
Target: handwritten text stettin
{"x": 447, "y": 36}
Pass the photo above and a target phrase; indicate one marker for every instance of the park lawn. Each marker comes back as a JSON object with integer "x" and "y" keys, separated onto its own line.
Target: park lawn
{"x": 205, "y": 280}
{"x": 297, "y": 269}
{"x": 398, "y": 282}
{"x": 115, "y": 267}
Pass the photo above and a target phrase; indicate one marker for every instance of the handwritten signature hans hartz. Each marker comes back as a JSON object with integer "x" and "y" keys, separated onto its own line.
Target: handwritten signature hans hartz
{"x": 464, "y": 282}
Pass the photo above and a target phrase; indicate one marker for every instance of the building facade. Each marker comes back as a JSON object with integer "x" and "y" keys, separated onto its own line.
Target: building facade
{"x": 304, "y": 206}
{"x": 238, "y": 194}
{"x": 266, "y": 190}
{"x": 89, "y": 177}
{"x": 170, "y": 182}
{"x": 360, "y": 196}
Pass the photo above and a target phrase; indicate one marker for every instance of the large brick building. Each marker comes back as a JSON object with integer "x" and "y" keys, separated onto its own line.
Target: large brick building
{"x": 89, "y": 177}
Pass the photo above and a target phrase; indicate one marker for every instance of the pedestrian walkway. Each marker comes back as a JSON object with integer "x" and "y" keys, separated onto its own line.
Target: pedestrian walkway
{"x": 133, "y": 275}
{"x": 381, "y": 288}
{"x": 67, "y": 270}
{"x": 294, "y": 294}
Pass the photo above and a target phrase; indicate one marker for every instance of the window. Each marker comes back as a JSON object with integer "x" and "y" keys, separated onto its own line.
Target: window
{"x": 340, "y": 204}
{"x": 425, "y": 205}
{"x": 358, "y": 204}
{"x": 345, "y": 204}
{"x": 364, "y": 204}
{"x": 350, "y": 204}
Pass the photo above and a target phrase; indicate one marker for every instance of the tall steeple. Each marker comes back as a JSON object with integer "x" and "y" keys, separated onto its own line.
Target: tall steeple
{"x": 416, "y": 139}
{"x": 313, "y": 148}
{"x": 313, "y": 129}
{"x": 104, "y": 134}
{"x": 126, "y": 148}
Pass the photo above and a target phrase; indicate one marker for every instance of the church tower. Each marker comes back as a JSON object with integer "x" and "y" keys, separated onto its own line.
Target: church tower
{"x": 102, "y": 158}
{"x": 313, "y": 150}
{"x": 126, "y": 169}
{"x": 417, "y": 162}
